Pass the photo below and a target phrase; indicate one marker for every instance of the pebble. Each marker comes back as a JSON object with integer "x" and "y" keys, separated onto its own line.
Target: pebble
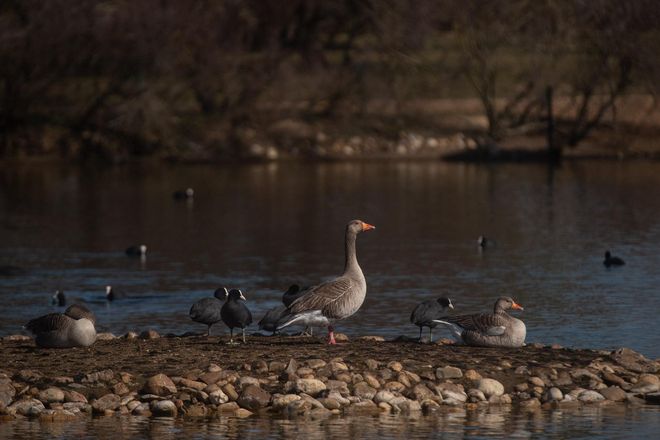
{"x": 52, "y": 394}
{"x": 310, "y": 386}
{"x": 613, "y": 393}
{"x": 448, "y": 372}
{"x": 490, "y": 387}
{"x": 163, "y": 408}
{"x": 553, "y": 394}
{"x": 253, "y": 398}
{"x": 590, "y": 396}
{"x": 160, "y": 385}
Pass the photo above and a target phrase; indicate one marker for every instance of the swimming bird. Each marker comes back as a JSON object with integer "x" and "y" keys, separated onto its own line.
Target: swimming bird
{"x": 111, "y": 294}
{"x": 497, "y": 329}
{"x": 59, "y": 298}
{"x": 424, "y": 314}
{"x": 612, "y": 261}
{"x": 482, "y": 242}
{"x": 335, "y": 299}
{"x": 136, "y": 251}
{"x": 188, "y": 193}
{"x": 235, "y": 314}
{"x": 207, "y": 310}
{"x": 73, "y": 328}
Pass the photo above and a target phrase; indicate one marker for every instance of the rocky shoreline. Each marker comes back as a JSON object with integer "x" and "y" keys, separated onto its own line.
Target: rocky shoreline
{"x": 198, "y": 376}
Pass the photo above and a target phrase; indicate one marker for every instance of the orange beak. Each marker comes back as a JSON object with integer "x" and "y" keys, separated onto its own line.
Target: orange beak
{"x": 367, "y": 226}
{"x": 517, "y": 306}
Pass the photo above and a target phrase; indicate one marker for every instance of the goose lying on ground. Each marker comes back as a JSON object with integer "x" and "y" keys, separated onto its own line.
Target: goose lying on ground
{"x": 207, "y": 310}
{"x": 497, "y": 329}
{"x": 612, "y": 261}
{"x": 234, "y": 313}
{"x": 424, "y": 313}
{"x": 336, "y": 299}
{"x": 73, "y": 328}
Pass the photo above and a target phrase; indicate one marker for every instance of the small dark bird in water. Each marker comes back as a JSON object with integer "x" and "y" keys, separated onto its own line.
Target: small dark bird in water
{"x": 112, "y": 294}
{"x": 612, "y": 261}
{"x": 424, "y": 314}
{"x": 59, "y": 298}
{"x": 234, "y": 313}
{"x": 482, "y": 242}
{"x": 208, "y": 310}
{"x": 136, "y": 251}
{"x": 186, "y": 194}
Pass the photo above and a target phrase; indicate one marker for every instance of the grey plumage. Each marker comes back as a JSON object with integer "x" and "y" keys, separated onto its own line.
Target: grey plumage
{"x": 207, "y": 310}
{"x": 497, "y": 329}
{"x": 73, "y": 328}
{"x": 335, "y": 299}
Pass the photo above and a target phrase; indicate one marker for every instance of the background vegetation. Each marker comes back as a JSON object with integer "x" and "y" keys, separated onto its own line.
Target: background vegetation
{"x": 212, "y": 79}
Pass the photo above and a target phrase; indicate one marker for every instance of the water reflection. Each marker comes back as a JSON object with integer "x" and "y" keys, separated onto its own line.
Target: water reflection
{"x": 606, "y": 422}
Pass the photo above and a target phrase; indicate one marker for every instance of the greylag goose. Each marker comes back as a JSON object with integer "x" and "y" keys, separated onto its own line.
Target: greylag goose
{"x": 336, "y": 299}
{"x": 186, "y": 194}
{"x": 73, "y": 328}
{"x": 424, "y": 313}
{"x": 612, "y": 261}
{"x": 497, "y": 329}
{"x": 207, "y": 310}
{"x": 235, "y": 314}
{"x": 137, "y": 250}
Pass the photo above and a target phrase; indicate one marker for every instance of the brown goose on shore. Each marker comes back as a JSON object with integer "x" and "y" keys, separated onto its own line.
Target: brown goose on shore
{"x": 74, "y": 328}
{"x": 497, "y": 329}
{"x": 336, "y": 299}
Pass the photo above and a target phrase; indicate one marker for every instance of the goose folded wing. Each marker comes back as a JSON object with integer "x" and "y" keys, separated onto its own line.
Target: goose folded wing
{"x": 47, "y": 323}
{"x": 323, "y": 297}
{"x": 488, "y": 324}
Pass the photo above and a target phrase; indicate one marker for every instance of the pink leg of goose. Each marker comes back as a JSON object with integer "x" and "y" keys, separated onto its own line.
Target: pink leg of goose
{"x": 331, "y": 336}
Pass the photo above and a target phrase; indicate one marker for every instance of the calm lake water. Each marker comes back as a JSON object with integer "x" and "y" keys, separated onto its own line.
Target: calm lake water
{"x": 263, "y": 227}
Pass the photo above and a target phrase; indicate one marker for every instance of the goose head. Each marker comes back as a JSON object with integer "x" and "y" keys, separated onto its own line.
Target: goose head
{"x": 506, "y": 303}
{"x": 357, "y": 226}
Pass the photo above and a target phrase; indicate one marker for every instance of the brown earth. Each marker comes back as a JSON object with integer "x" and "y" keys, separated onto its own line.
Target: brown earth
{"x": 176, "y": 356}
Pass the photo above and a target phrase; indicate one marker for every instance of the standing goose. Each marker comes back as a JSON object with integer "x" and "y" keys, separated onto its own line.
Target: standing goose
{"x": 74, "y": 328}
{"x": 235, "y": 314}
{"x": 497, "y": 329}
{"x": 336, "y": 299}
{"x": 207, "y": 310}
{"x": 612, "y": 261}
{"x": 424, "y": 314}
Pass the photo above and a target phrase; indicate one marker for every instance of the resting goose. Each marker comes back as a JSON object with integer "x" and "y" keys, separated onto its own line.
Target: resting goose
{"x": 207, "y": 310}
{"x": 235, "y": 314}
{"x": 73, "y": 328}
{"x": 424, "y": 313}
{"x": 497, "y": 329}
{"x": 612, "y": 261}
{"x": 336, "y": 299}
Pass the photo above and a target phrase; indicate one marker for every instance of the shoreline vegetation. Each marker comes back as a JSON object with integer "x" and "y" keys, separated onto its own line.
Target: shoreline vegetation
{"x": 197, "y": 376}
{"x": 114, "y": 81}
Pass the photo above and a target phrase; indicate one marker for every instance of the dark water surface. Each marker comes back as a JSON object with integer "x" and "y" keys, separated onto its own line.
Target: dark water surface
{"x": 263, "y": 227}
